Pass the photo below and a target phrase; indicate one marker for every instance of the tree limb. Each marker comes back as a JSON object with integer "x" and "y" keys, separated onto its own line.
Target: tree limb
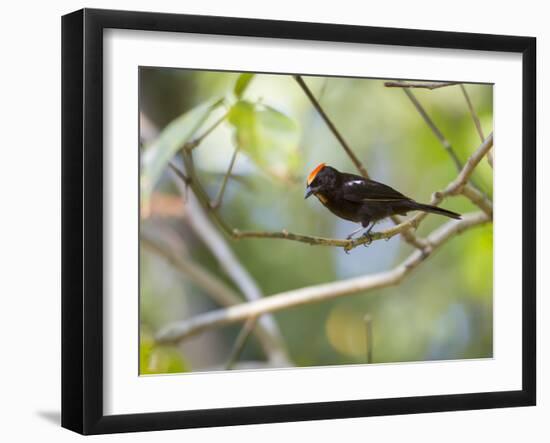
{"x": 473, "y": 112}
{"x": 218, "y": 201}
{"x": 215, "y": 289}
{"x": 240, "y": 342}
{"x": 457, "y": 186}
{"x": 439, "y": 135}
{"x": 406, "y": 233}
{"x": 444, "y": 142}
{"x": 331, "y": 126}
{"x": 209, "y": 283}
{"x": 474, "y": 159}
{"x": 477, "y": 123}
{"x": 211, "y": 237}
{"x": 198, "y": 140}
{"x": 313, "y": 294}
{"x": 422, "y": 85}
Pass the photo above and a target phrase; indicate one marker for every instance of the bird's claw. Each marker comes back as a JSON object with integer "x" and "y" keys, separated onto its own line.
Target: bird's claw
{"x": 369, "y": 239}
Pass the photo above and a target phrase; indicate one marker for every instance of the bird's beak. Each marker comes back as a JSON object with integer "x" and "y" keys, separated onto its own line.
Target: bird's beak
{"x": 309, "y": 191}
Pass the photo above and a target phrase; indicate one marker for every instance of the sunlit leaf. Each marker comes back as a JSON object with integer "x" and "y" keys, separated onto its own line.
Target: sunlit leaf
{"x": 269, "y": 137}
{"x": 145, "y": 349}
{"x": 154, "y": 359}
{"x": 242, "y": 83}
{"x": 158, "y": 154}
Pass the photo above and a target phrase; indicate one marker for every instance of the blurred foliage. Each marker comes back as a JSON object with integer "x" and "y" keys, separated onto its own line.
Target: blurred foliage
{"x": 269, "y": 137}
{"x": 154, "y": 359}
{"x": 441, "y": 311}
{"x": 242, "y": 83}
{"x": 159, "y": 153}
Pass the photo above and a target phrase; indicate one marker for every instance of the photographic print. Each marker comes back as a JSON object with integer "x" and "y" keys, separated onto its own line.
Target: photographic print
{"x": 292, "y": 221}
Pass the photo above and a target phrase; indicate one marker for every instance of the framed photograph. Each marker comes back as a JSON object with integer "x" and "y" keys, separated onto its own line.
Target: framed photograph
{"x": 269, "y": 221}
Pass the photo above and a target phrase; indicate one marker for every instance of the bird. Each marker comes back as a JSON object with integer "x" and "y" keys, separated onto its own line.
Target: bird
{"x": 362, "y": 200}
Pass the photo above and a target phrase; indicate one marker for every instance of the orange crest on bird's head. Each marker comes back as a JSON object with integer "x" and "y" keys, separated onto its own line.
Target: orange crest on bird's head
{"x": 314, "y": 173}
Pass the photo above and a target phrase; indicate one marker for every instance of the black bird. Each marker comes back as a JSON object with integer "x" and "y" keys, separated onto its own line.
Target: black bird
{"x": 362, "y": 200}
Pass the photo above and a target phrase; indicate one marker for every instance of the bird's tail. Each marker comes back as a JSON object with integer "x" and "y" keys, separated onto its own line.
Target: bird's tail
{"x": 436, "y": 210}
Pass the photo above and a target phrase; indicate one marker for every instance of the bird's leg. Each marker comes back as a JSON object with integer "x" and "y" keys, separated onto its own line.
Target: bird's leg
{"x": 366, "y": 234}
{"x": 349, "y": 237}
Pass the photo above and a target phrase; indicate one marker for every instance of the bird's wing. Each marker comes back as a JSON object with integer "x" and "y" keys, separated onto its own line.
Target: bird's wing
{"x": 364, "y": 190}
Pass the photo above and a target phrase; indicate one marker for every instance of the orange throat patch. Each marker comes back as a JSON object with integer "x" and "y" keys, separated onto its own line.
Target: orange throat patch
{"x": 321, "y": 197}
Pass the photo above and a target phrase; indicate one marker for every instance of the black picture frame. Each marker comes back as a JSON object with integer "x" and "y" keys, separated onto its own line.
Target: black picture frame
{"x": 82, "y": 220}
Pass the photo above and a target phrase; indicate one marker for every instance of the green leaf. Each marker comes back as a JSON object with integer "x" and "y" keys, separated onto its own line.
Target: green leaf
{"x": 267, "y": 136}
{"x": 154, "y": 359}
{"x": 145, "y": 350}
{"x": 242, "y": 83}
{"x": 158, "y": 154}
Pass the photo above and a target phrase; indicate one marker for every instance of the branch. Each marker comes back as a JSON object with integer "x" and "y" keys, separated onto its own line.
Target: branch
{"x": 424, "y": 85}
{"x": 457, "y": 186}
{"x": 467, "y": 170}
{"x": 477, "y": 123}
{"x": 473, "y": 113}
{"x": 324, "y": 241}
{"x": 406, "y": 233}
{"x": 313, "y": 294}
{"x": 444, "y": 142}
{"x": 331, "y": 126}
{"x": 478, "y": 198}
{"x": 267, "y": 331}
{"x": 218, "y": 201}
{"x": 439, "y": 135}
{"x": 190, "y": 145}
{"x": 217, "y": 290}
{"x": 234, "y": 270}
{"x": 461, "y": 186}
{"x": 403, "y": 228}
{"x": 240, "y": 342}
{"x": 199, "y": 276}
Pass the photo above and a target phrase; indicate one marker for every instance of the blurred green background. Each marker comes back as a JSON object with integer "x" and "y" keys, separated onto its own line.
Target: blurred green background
{"x": 443, "y": 310}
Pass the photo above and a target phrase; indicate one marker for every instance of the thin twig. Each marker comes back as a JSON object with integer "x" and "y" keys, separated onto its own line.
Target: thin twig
{"x": 456, "y": 187}
{"x": 368, "y": 339}
{"x": 199, "y": 276}
{"x": 477, "y": 122}
{"x": 323, "y": 89}
{"x": 444, "y": 142}
{"x": 201, "y": 225}
{"x": 240, "y": 342}
{"x": 218, "y": 201}
{"x": 271, "y": 339}
{"x": 478, "y": 198}
{"x": 467, "y": 170}
{"x": 314, "y": 294}
{"x": 442, "y": 139}
{"x": 423, "y": 85}
{"x": 473, "y": 113}
{"x": 460, "y": 184}
{"x": 215, "y": 289}
{"x": 331, "y": 126}
{"x": 201, "y": 193}
{"x": 179, "y": 173}
{"x": 192, "y": 144}
{"x": 407, "y": 234}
